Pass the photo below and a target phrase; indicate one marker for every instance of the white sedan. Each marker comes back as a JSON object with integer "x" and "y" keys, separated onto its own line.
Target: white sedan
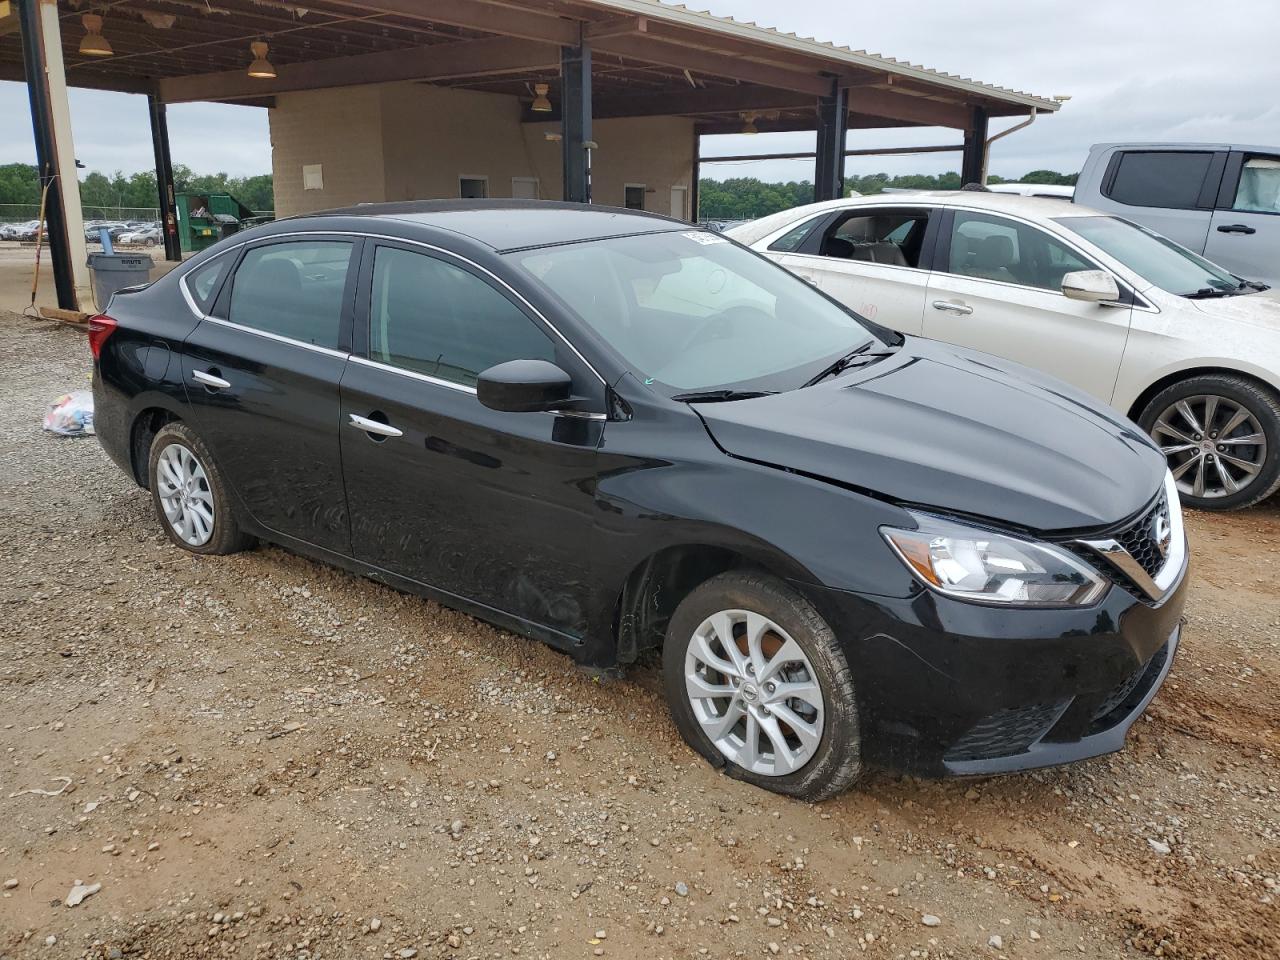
{"x": 1189, "y": 351}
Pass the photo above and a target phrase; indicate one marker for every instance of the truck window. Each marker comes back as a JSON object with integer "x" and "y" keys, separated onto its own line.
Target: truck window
{"x": 1153, "y": 178}
{"x": 1259, "y": 190}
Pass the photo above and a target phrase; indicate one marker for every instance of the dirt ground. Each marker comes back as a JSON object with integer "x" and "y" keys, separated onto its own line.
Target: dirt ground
{"x": 258, "y": 756}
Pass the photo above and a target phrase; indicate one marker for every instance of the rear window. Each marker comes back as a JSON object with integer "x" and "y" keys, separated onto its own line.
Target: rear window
{"x": 1171, "y": 179}
{"x": 790, "y": 241}
{"x": 204, "y": 281}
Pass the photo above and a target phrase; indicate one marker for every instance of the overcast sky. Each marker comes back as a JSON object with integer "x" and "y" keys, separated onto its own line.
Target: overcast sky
{"x": 1139, "y": 69}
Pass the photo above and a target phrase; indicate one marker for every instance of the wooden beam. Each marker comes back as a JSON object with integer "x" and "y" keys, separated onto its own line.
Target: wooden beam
{"x": 648, "y": 49}
{"x": 902, "y": 106}
{"x": 468, "y": 14}
{"x": 8, "y": 18}
{"x": 687, "y": 102}
{"x": 617, "y": 27}
{"x": 466, "y": 58}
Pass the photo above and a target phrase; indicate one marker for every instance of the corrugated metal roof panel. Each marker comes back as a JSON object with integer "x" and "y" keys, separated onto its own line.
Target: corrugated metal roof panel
{"x": 678, "y": 13}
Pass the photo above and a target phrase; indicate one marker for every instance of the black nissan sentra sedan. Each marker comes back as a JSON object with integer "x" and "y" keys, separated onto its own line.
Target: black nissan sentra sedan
{"x": 617, "y": 433}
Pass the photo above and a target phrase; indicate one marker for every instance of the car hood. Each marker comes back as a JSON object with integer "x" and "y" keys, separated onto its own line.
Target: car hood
{"x": 1261, "y": 310}
{"x": 955, "y": 431}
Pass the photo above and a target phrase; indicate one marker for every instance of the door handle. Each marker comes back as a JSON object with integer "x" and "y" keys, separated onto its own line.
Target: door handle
{"x": 1236, "y": 228}
{"x": 962, "y": 309}
{"x": 210, "y": 380}
{"x": 374, "y": 426}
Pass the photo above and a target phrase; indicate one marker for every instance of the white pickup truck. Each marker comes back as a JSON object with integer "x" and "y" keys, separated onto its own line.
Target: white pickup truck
{"x": 1219, "y": 200}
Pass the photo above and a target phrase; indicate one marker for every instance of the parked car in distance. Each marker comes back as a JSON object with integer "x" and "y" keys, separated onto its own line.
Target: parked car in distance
{"x": 147, "y": 236}
{"x": 1050, "y": 191}
{"x": 1219, "y": 200}
{"x": 615, "y": 432}
{"x": 1189, "y": 351}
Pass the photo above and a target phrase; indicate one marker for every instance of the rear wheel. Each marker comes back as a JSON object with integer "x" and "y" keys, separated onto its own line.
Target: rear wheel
{"x": 190, "y": 495}
{"x": 757, "y": 684}
{"x": 1221, "y": 437}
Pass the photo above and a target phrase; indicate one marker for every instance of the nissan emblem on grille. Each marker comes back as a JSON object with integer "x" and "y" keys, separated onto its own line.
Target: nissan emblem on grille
{"x": 1161, "y": 530}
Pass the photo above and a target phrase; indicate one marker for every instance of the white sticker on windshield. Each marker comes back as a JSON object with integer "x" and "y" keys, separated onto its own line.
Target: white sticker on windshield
{"x": 705, "y": 238}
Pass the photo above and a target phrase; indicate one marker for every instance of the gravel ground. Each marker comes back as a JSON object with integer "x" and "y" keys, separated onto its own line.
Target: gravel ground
{"x": 259, "y": 756}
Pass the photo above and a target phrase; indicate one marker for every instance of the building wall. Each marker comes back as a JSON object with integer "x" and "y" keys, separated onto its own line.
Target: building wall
{"x": 412, "y": 141}
{"x": 341, "y": 131}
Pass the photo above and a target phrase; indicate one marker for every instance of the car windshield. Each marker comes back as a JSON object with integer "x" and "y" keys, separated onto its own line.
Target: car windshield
{"x": 690, "y": 311}
{"x": 1154, "y": 258}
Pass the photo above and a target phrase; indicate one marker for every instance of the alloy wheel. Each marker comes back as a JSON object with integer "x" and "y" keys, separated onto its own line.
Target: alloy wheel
{"x": 184, "y": 494}
{"x": 754, "y": 692}
{"x": 1214, "y": 445}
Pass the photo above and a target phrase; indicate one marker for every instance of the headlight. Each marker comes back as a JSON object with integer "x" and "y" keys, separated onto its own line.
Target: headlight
{"x": 987, "y": 567}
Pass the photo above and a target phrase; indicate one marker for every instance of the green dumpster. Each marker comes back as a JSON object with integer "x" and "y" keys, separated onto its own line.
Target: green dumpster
{"x": 205, "y": 218}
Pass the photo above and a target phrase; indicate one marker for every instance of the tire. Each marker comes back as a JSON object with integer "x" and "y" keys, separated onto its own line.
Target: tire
{"x": 822, "y": 766}
{"x": 212, "y": 530}
{"x": 1198, "y": 454}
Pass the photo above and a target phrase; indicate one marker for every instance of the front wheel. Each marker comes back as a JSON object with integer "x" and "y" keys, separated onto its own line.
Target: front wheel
{"x": 1221, "y": 437}
{"x": 757, "y": 683}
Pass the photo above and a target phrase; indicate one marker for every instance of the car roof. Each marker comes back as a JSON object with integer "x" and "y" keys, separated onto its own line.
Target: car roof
{"x": 506, "y": 225}
{"x": 1034, "y": 208}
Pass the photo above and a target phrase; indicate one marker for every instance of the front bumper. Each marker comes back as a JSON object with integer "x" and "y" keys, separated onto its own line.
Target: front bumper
{"x": 949, "y": 688}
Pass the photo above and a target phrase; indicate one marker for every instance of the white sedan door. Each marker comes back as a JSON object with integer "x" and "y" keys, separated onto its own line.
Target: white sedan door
{"x": 999, "y": 289}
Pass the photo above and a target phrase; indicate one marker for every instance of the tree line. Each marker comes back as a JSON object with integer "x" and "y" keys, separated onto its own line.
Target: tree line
{"x": 20, "y": 184}
{"x": 745, "y": 198}
{"x": 741, "y": 198}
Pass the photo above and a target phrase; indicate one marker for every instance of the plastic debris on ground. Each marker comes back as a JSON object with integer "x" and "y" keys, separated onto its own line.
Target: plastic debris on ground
{"x": 71, "y": 415}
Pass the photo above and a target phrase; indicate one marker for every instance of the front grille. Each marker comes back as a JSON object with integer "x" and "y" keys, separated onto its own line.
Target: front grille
{"x": 1139, "y": 537}
{"x": 1006, "y": 732}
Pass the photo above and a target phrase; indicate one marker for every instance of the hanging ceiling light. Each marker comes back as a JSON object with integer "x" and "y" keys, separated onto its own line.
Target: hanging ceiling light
{"x": 261, "y": 66}
{"x": 94, "y": 43}
{"x": 540, "y": 102}
{"x": 749, "y": 123}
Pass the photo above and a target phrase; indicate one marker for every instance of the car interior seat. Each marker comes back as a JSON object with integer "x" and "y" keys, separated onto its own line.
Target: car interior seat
{"x": 993, "y": 259}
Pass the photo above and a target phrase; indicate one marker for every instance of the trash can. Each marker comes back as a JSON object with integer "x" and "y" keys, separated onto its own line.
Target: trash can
{"x": 115, "y": 271}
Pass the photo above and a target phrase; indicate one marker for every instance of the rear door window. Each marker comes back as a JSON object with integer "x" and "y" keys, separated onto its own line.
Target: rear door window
{"x": 1171, "y": 179}
{"x": 791, "y": 241}
{"x": 203, "y": 282}
{"x": 891, "y": 237}
{"x": 1259, "y": 188}
{"x": 293, "y": 289}
{"x": 432, "y": 317}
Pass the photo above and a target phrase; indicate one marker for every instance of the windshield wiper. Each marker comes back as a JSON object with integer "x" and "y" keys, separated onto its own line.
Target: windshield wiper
{"x": 717, "y": 396}
{"x": 1206, "y": 293}
{"x": 848, "y": 360}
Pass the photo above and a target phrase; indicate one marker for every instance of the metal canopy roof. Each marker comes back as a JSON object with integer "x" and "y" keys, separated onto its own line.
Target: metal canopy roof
{"x": 650, "y": 58}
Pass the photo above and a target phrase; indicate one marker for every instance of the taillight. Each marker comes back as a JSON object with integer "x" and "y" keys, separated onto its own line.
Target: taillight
{"x": 100, "y": 327}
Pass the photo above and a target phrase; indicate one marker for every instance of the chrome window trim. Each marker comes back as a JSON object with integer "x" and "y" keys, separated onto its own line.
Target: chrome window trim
{"x": 460, "y": 387}
{"x": 268, "y": 335}
{"x": 412, "y": 374}
{"x": 285, "y": 237}
{"x": 1157, "y": 587}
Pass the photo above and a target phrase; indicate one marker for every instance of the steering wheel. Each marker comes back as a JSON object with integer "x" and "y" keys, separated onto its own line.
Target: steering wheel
{"x": 720, "y": 326}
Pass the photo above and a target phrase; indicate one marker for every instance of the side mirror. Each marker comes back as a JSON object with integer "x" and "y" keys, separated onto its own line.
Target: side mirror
{"x": 523, "y": 386}
{"x": 1095, "y": 286}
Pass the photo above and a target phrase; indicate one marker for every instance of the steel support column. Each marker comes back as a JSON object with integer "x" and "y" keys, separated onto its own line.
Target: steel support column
{"x": 974, "y": 167}
{"x": 833, "y": 115}
{"x": 575, "y": 114}
{"x": 164, "y": 177}
{"x": 694, "y": 183}
{"x": 42, "y": 61}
